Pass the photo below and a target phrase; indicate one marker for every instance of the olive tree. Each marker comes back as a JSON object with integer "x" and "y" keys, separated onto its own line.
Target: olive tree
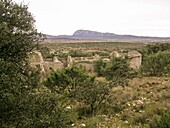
{"x": 18, "y": 101}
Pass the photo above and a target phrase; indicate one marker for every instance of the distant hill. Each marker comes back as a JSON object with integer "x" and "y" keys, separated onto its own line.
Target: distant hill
{"x": 87, "y": 34}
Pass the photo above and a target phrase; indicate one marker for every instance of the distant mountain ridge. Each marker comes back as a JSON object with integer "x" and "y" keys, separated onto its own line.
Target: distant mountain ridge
{"x": 87, "y": 34}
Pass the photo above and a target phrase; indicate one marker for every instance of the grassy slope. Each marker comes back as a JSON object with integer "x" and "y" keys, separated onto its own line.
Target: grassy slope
{"x": 133, "y": 106}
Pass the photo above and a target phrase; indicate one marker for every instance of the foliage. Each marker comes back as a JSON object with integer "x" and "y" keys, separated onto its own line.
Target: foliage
{"x": 63, "y": 55}
{"x": 155, "y": 48}
{"x": 161, "y": 121}
{"x": 140, "y": 104}
{"x": 17, "y": 32}
{"x": 45, "y": 51}
{"x": 78, "y": 53}
{"x": 100, "y": 53}
{"x": 20, "y": 106}
{"x": 67, "y": 80}
{"x": 157, "y": 64}
{"x": 93, "y": 94}
{"x": 17, "y": 38}
{"x": 44, "y": 109}
{"x": 117, "y": 70}
{"x": 77, "y": 84}
{"x": 99, "y": 46}
{"x": 99, "y": 67}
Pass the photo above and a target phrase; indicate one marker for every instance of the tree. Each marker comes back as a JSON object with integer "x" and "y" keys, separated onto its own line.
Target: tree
{"x": 18, "y": 101}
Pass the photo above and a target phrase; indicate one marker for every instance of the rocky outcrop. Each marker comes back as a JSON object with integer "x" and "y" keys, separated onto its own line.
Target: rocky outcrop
{"x": 86, "y": 34}
{"x": 36, "y": 60}
{"x": 134, "y": 57}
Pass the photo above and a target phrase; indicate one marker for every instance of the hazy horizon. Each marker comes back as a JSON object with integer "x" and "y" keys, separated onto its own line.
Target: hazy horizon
{"x": 130, "y": 17}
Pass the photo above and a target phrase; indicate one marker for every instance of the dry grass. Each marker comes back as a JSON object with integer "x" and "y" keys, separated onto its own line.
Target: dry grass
{"x": 134, "y": 106}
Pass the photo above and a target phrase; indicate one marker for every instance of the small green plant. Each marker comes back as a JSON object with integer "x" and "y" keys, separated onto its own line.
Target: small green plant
{"x": 162, "y": 121}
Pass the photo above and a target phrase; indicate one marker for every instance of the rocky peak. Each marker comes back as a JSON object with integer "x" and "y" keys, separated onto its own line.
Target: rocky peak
{"x": 91, "y": 34}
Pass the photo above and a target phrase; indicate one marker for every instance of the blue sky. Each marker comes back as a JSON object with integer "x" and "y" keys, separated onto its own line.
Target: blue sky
{"x": 136, "y": 17}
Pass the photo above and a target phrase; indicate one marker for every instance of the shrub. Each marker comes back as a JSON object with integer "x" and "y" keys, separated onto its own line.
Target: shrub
{"x": 155, "y": 48}
{"x": 45, "y": 109}
{"x": 78, "y": 53}
{"x": 99, "y": 67}
{"x": 67, "y": 80}
{"x": 93, "y": 94}
{"x": 118, "y": 71}
{"x": 78, "y": 85}
{"x": 157, "y": 64}
{"x": 163, "y": 121}
{"x": 45, "y": 51}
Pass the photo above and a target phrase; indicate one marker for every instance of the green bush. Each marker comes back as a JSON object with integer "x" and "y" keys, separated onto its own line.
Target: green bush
{"x": 100, "y": 53}
{"x": 78, "y": 85}
{"x": 156, "y": 64}
{"x": 78, "y": 53}
{"x": 45, "y": 109}
{"x": 162, "y": 121}
{"x": 67, "y": 80}
{"x": 93, "y": 94}
{"x": 99, "y": 67}
{"x": 117, "y": 70}
{"x": 45, "y": 51}
{"x": 155, "y": 48}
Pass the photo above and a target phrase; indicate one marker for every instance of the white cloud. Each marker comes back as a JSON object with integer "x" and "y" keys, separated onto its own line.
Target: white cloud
{"x": 138, "y": 17}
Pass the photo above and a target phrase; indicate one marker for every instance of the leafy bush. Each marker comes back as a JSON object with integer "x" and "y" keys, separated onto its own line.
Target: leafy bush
{"x": 78, "y": 53}
{"x": 44, "y": 109}
{"x": 117, "y": 70}
{"x": 63, "y": 55}
{"x": 78, "y": 85}
{"x": 93, "y": 94}
{"x": 45, "y": 51}
{"x": 162, "y": 121}
{"x": 67, "y": 80}
{"x": 100, "y": 53}
{"x": 155, "y": 48}
{"x": 157, "y": 64}
{"x": 99, "y": 67}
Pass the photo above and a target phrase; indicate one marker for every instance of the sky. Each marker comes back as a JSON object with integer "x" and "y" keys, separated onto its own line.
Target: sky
{"x": 132, "y": 17}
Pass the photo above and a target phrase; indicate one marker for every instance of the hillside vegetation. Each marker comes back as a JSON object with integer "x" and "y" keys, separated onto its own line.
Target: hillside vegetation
{"x": 113, "y": 95}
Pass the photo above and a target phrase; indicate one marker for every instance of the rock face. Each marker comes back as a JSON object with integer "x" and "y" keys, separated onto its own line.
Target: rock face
{"x": 135, "y": 58}
{"x": 92, "y": 34}
{"x": 87, "y": 34}
{"x": 36, "y": 60}
{"x": 70, "y": 61}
